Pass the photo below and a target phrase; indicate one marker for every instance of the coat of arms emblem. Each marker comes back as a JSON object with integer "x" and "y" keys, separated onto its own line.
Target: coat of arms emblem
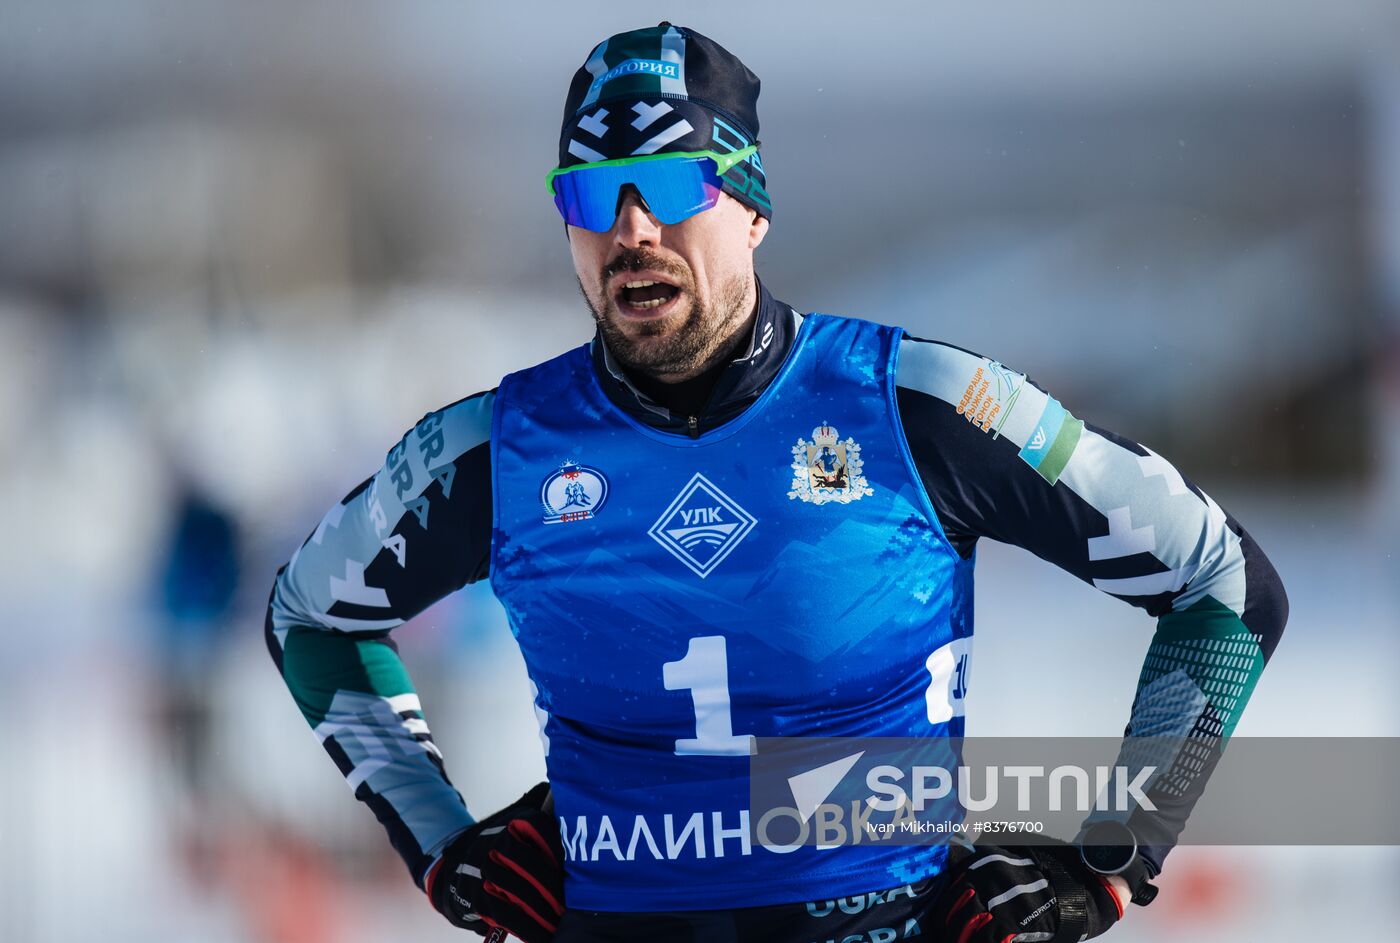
{"x": 827, "y": 468}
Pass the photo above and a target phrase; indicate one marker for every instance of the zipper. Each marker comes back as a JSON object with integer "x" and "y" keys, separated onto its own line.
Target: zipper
{"x": 693, "y": 422}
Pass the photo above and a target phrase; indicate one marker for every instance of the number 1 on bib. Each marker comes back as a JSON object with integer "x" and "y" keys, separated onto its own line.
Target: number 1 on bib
{"x": 705, "y": 672}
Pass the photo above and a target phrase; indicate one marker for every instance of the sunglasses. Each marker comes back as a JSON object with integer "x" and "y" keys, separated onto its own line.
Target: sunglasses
{"x": 674, "y": 186}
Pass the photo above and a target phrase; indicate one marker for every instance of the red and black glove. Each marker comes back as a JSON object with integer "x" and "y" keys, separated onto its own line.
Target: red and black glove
{"x": 1010, "y": 895}
{"x": 504, "y": 873}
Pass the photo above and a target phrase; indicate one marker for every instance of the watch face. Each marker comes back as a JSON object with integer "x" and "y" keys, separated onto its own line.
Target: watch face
{"x": 1108, "y": 847}
{"x": 1108, "y": 859}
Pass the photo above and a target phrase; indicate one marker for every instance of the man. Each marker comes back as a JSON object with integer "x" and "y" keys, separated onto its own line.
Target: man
{"x": 659, "y": 512}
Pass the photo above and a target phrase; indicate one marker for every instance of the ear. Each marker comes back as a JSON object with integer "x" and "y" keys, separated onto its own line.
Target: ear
{"x": 758, "y": 228}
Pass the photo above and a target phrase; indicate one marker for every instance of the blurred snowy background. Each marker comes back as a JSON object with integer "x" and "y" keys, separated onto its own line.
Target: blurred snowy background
{"x": 244, "y": 246}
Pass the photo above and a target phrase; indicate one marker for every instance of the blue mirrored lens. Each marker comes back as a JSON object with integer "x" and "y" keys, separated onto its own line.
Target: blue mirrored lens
{"x": 673, "y": 189}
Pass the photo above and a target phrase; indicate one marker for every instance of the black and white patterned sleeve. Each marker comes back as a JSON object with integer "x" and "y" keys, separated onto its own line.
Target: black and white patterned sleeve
{"x": 1001, "y": 458}
{"x": 415, "y": 531}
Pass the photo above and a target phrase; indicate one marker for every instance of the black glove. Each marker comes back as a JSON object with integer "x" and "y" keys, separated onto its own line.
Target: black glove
{"x": 1008, "y": 895}
{"x": 504, "y": 873}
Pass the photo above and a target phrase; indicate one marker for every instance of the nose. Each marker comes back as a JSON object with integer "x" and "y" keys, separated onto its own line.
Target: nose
{"x": 635, "y": 225}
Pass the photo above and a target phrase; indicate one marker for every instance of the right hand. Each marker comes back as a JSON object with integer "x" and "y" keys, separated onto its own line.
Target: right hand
{"x": 504, "y": 873}
{"x": 997, "y": 894}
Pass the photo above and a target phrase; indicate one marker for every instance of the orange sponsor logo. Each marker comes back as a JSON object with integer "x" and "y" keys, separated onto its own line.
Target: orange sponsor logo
{"x": 976, "y": 406}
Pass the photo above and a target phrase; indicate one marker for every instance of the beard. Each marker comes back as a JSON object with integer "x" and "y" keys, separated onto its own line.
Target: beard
{"x": 682, "y": 344}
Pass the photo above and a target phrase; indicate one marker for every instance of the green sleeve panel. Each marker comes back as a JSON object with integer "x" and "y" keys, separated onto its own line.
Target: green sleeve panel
{"x": 356, "y": 695}
{"x": 1210, "y": 645}
{"x": 317, "y": 665}
{"x": 1200, "y": 671}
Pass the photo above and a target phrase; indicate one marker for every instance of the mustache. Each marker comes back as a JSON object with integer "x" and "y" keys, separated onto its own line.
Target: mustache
{"x": 634, "y": 260}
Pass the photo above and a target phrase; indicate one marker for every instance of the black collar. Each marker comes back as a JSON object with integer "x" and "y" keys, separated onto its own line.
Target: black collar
{"x": 774, "y": 330}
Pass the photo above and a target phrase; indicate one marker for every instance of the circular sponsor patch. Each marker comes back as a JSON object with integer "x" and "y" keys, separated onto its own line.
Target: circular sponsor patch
{"x": 573, "y": 493}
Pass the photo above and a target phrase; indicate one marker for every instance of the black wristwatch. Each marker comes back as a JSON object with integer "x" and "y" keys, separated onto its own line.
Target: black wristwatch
{"x": 1109, "y": 847}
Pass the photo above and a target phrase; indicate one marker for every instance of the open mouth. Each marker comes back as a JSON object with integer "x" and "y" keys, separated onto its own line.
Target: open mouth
{"x": 645, "y": 296}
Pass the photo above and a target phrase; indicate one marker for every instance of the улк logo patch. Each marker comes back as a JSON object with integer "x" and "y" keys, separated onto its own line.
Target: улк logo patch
{"x": 827, "y": 468}
{"x": 572, "y": 493}
{"x": 702, "y": 526}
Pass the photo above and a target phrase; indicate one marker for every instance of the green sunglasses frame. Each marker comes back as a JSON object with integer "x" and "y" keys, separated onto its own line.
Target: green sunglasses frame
{"x": 722, "y": 161}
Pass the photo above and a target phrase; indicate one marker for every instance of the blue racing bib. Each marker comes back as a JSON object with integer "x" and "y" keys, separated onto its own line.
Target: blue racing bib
{"x": 782, "y": 575}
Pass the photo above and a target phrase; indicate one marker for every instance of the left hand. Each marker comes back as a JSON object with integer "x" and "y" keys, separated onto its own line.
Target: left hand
{"x": 1024, "y": 893}
{"x": 504, "y": 873}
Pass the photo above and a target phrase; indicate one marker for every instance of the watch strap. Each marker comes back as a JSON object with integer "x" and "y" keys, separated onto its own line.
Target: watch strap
{"x": 1138, "y": 876}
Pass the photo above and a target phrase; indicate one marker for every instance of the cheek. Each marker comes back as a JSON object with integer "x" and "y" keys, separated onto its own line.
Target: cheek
{"x": 588, "y": 255}
{"x": 719, "y": 265}
{"x": 717, "y": 246}
{"x": 732, "y": 250}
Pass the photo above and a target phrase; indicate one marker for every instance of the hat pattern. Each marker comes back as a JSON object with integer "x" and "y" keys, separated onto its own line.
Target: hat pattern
{"x": 665, "y": 89}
